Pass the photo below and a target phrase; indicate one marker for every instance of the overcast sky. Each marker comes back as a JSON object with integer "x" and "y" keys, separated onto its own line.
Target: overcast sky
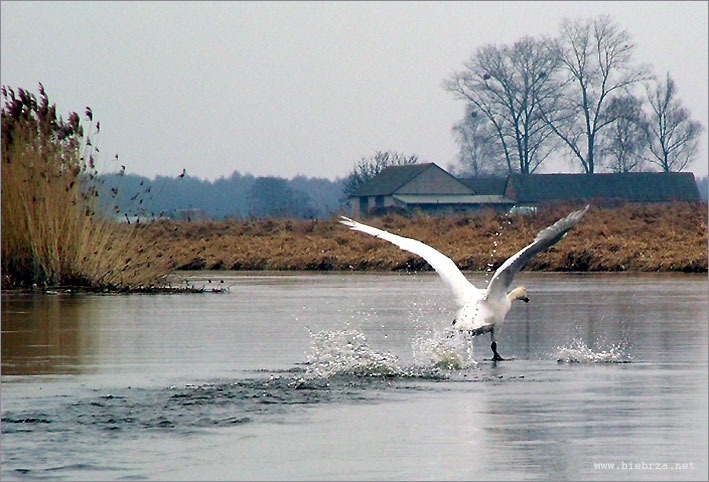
{"x": 298, "y": 88}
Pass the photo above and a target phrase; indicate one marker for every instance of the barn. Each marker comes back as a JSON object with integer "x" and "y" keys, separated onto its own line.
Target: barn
{"x": 423, "y": 187}
{"x": 534, "y": 189}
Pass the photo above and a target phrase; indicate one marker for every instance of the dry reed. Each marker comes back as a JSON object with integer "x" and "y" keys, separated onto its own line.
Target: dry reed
{"x": 53, "y": 233}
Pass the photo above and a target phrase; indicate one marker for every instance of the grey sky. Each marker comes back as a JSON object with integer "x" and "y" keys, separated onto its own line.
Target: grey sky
{"x": 298, "y": 88}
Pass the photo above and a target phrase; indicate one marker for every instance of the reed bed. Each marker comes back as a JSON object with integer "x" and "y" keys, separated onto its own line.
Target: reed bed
{"x": 663, "y": 237}
{"x": 53, "y": 232}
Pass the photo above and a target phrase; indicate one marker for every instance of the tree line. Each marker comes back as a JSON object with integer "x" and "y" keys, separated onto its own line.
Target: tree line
{"x": 244, "y": 196}
{"x": 579, "y": 95}
{"x": 130, "y": 196}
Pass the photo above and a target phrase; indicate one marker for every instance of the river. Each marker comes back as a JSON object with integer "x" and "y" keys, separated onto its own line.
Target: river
{"x": 344, "y": 376}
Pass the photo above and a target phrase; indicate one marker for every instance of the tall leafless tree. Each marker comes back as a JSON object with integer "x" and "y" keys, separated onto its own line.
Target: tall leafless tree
{"x": 596, "y": 59}
{"x": 368, "y": 167}
{"x": 626, "y": 140}
{"x": 511, "y": 86}
{"x": 479, "y": 153}
{"x": 673, "y": 136}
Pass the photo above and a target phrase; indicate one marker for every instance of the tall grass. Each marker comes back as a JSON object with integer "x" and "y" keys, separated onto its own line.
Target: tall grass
{"x": 53, "y": 232}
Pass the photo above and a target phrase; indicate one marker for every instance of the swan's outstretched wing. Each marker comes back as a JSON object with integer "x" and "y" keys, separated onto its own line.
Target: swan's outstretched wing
{"x": 504, "y": 275}
{"x": 462, "y": 289}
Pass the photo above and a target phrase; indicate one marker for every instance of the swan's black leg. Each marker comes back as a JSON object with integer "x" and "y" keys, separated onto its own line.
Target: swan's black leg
{"x": 495, "y": 356}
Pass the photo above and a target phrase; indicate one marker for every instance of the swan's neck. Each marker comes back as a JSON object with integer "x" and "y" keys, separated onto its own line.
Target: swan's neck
{"x": 519, "y": 293}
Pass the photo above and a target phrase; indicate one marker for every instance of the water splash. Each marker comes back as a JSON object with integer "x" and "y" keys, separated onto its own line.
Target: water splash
{"x": 578, "y": 352}
{"x": 445, "y": 349}
{"x": 346, "y": 353}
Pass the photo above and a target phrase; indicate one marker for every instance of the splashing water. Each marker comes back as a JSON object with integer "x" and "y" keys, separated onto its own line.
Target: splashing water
{"x": 347, "y": 353}
{"x": 444, "y": 350}
{"x": 337, "y": 353}
{"x": 578, "y": 352}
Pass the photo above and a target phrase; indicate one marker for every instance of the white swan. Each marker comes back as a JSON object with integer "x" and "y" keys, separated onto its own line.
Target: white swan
{"x": 480, "y": 311}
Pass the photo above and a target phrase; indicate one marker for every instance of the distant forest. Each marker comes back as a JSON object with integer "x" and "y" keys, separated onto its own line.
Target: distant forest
{"x": 240, "y": 196}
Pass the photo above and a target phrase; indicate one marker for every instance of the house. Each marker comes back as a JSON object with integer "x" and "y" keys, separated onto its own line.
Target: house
{"x": 430, "y": 189}
{"x": 424, "y": 187}
{"x": 533, "y": 189}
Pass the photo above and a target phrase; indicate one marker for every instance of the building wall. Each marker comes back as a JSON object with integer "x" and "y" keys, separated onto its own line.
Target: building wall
{"x": 452, "y": 209}
{"x": 434, "y": 209}
{"x": 359, "y": 208}
{"x": 353, "y": 207}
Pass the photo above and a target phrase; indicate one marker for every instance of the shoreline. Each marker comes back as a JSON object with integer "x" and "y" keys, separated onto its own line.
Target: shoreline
{"x": 63, "y": 290}
{"x": 626, "y": 238}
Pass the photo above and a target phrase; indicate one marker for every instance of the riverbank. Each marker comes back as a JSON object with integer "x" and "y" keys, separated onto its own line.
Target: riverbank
{"x": 666, "y": 237}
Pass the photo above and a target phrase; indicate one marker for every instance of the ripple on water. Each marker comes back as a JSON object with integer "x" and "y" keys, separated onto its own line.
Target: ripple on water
{"x": 187, "y": 408}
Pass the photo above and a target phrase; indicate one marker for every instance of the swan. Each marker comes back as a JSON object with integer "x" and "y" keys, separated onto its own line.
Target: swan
{"x": 479, "y": 311}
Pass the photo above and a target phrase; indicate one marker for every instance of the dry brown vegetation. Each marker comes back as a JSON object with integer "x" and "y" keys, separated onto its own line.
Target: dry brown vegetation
{"x": 625, "y": 237}
{"x": 53, "y": 233}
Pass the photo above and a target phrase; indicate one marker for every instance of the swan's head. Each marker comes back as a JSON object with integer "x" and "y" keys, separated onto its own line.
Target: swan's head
{"x": 519, "y": 293}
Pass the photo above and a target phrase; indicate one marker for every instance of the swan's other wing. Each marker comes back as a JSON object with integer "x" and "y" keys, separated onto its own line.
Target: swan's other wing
{"x": 462, "y": 289}
{"x": 504, "y": 275}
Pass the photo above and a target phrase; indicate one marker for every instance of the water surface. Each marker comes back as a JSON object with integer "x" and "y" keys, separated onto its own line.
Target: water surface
{"x": 352, "y": 376}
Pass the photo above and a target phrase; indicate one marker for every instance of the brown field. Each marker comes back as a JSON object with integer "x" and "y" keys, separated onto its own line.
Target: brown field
{"x": 625, "y": 237}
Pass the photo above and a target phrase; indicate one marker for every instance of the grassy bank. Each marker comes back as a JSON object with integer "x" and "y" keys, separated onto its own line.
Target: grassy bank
{"x": 636, "y": 238}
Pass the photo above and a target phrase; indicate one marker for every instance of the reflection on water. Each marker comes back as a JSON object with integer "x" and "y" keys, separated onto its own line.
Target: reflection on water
{"x": 42, "y": 335}
{"x": 350, "y": 376}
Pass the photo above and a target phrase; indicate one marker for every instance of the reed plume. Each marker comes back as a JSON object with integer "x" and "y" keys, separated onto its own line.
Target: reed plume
{"x": 53, "y": 231}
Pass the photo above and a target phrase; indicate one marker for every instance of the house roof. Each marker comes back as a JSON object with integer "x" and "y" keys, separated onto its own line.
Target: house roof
{"x": 485, "y": 185}
{"x": 390, "y": 179}
{"x": 453, "y": 199}
{"x": 630, "y": 186}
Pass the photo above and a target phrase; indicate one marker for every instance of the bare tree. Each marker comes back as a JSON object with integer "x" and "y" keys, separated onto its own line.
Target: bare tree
{"x": 596, "y": 58}
{"x": 368, "y": 167}
{"x": 673, "y": 136}
{"x": 626, "y": 140}
{"x": 511, "y": 86}
{"x": 479, "y": 153}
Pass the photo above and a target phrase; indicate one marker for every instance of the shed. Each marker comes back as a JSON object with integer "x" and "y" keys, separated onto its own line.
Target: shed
{"x": 630, "y": 186}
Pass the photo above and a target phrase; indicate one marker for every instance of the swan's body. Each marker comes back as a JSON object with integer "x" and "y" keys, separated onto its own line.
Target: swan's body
{"x": 479, "y": 311}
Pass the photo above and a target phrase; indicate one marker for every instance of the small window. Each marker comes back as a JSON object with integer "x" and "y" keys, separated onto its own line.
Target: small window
{"x": 379, "y": 201}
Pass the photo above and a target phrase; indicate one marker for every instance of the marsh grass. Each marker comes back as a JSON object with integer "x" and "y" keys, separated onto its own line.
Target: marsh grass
{"x": 53, "y": 231}
{"x": 667, "y": 237}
